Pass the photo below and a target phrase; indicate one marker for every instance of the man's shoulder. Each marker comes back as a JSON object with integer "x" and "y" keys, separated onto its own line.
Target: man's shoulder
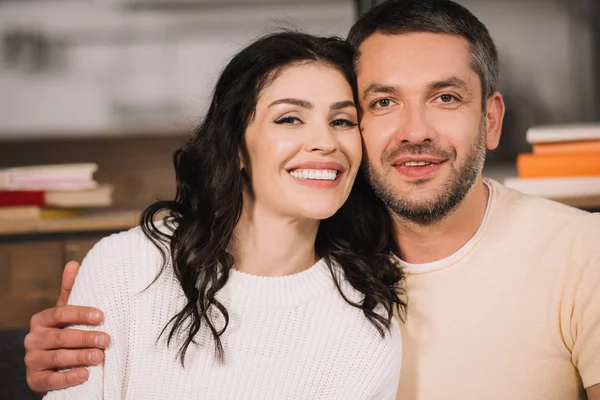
{"x": 588, "y": 236}
{"x": 514, "y": 201}
{"x": 542, "y": 217}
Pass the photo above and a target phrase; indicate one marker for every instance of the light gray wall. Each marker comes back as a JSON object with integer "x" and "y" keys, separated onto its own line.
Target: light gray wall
{"x": 99, "y": 56}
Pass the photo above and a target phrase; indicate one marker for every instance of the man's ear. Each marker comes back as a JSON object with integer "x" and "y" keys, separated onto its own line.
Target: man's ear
{"x": 493, "y": 118}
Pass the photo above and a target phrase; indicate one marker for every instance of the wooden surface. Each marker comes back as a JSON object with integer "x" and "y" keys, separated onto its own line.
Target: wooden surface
{"x": 33, "y": 254}
{"x": 100, "y": 221}
{"x": 108, "y": 131}
{"x": 30, "y": 275}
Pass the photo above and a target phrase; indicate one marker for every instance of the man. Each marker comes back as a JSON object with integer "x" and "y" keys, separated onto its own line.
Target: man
{"x": 503, "y": 288}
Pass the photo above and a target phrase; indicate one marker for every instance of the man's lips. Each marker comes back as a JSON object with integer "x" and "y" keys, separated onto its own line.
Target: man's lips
{"x": 420, "y": 160}
{"x": 418, "y": 167}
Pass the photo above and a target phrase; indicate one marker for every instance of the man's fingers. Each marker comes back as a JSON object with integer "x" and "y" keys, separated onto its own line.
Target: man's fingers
{"x": 44, "y": 381}
{"x": 48, "y": 339}
{"x": 68, "y": 280}
{"x": 41, "y": 366}
{"x": 60, "y": 316}
{"x": 58, "y": 359}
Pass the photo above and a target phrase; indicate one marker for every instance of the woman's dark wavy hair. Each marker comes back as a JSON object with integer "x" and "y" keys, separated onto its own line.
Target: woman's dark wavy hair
{"x": 208, "y": 202}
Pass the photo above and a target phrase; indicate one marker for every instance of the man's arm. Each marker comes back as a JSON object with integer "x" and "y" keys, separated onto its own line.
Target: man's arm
{"x": 50, "y": 347}
{"x": 593, "y": 392}
{"x": 584, "y": 308}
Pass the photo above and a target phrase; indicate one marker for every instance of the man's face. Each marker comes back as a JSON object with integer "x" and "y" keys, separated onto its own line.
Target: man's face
{"x": 423, "y": 125}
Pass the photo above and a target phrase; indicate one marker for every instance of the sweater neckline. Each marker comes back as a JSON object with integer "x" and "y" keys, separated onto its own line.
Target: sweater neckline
{"x": 433, "y": 266}
{"x": 278, "y": 291}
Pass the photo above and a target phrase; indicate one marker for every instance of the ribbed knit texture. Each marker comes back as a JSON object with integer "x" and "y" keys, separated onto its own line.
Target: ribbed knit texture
{"x": 291, "y": 337}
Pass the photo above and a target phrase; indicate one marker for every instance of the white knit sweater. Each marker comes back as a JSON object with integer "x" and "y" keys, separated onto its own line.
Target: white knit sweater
{"x": 291, "y": 337}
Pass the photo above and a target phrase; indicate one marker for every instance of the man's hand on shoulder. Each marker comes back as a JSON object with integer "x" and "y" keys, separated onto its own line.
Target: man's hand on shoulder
{"x": 49, "y": 346}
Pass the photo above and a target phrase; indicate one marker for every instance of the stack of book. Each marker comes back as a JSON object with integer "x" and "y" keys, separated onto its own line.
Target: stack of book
{"x": 564, "y": 165}
{"x": 51, "y": 191}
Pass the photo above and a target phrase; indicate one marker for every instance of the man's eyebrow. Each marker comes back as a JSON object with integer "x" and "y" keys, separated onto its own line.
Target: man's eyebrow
{"x": 451, "y": 82}
{"x": 294, "y": 102}
{"x": 379, "y": 88}
{"x": 338, "y": 105}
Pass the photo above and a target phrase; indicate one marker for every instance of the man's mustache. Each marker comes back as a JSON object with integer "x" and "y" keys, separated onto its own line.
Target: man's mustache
{"x": 427, "y": 148}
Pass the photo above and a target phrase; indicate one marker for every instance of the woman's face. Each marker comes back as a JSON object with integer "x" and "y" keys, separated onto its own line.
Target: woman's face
{"x": 303, "y": 145}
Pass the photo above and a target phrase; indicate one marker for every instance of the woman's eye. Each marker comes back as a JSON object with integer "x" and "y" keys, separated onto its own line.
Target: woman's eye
{"x": 381, "y": 103}
{"x": 288, "y": 121}
{"x": 342, "y": 122}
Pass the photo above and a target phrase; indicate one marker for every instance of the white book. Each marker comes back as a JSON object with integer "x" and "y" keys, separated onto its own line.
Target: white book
{"x": 562, "y": 133}
{"x": 98, "y": 197}
{"x": 556, "y": 188}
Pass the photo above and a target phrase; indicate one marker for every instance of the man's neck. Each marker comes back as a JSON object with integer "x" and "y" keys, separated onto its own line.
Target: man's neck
{"x": 266, "y": 244}
{"x": 420, "y": 244}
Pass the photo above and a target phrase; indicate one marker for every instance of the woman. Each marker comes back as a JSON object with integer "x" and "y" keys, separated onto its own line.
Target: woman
{"x": 261, "y": 283}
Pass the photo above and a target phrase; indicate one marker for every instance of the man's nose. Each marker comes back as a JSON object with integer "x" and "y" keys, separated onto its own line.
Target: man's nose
{"x": 413, "y": 125}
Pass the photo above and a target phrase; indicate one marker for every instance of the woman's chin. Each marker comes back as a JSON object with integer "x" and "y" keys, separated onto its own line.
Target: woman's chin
{"x": 320, "y": 213}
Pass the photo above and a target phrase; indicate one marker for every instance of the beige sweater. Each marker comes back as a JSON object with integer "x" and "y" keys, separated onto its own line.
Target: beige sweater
{"x": 514, "y": 315}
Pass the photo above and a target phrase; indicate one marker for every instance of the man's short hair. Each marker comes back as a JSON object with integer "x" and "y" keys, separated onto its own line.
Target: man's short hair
{"x": 395, "y": 17}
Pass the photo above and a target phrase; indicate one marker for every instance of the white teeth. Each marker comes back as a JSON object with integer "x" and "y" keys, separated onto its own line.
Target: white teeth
{"x": 315, "y": 174}
{"x": 417, "y": 163}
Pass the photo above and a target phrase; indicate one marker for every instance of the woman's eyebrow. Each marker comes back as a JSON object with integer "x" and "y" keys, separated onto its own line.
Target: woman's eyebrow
{"x": 338, "y": 105}
{"x": 294, "y": 102}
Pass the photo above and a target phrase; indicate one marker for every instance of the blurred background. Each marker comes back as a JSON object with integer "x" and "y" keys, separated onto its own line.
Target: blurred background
{"x": 118, "y": 81}
{"x": 118, "y": 84}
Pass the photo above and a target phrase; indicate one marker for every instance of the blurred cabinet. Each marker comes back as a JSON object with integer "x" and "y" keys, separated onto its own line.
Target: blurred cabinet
{"x": 31, "y": 273}
{"x": 77, "y": 249}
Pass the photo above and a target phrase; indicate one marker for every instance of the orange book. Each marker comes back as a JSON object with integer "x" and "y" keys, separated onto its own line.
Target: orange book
{"x": 584, "y": 146}
{"x": 558, "y": 165}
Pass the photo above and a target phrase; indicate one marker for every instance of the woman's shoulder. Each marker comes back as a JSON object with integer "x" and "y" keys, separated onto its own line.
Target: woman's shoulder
{"x": 133, "y": 239}
{"x": 129, "y": 258}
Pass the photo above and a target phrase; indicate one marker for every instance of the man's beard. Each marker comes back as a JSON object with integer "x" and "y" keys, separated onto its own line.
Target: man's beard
{"x": 445, "y": 200}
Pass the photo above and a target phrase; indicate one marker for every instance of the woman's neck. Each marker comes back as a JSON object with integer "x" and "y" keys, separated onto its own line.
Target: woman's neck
{"x": 267, "y": 244}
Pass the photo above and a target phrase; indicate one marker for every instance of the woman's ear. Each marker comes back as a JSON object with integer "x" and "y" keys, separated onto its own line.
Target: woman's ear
{"x": 243, "y": 158}
{"x": 245, "y": 168}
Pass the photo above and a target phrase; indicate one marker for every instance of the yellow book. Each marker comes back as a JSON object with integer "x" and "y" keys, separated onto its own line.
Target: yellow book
{"x": 51, "y": 213}
{"x": 34, "y": 212}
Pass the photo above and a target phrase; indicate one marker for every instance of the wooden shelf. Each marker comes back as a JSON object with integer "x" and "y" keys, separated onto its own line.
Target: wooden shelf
{"x": 109, "y": 131}
{"x": 100, "y": 221}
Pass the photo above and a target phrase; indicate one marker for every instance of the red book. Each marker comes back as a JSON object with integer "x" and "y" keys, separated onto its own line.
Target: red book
{"x": 22, "y": 198}
{"x": 98, "y": 197}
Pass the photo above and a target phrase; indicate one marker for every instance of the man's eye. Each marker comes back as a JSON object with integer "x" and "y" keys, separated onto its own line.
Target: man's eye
{"x": 381, "y": 103}
{"x": 447, "y": 98}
